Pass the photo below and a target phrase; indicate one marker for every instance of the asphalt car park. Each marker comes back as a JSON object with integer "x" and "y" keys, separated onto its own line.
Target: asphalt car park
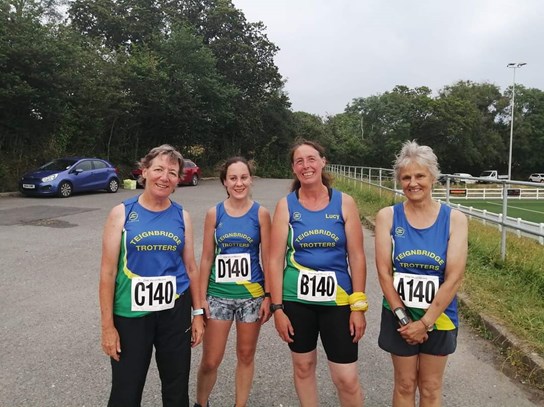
{"x": 50, "y": 320}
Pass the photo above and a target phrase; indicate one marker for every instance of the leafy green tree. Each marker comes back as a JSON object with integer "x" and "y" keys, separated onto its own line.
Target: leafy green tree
{"x": 224, "y": 114}
{"x": 389, "y": 119}
{"x": 245, "y": 58}
{"x": 118, "y": 24}
{"x": 528, "y": 132}
{"x": 36, "y": 76}
{"x": 308, "y": 126}
{"x": 466, "y": 121}
{"x": 277, "y": 134}
{"x": 344, "y": 139}
{"x": 181, "y": 95}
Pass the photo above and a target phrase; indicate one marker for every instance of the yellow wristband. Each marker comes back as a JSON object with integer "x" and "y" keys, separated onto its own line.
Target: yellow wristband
{"x": 359, "y": 306}
{"x": 356, "y": 297}
{"x": 358, "y": 302}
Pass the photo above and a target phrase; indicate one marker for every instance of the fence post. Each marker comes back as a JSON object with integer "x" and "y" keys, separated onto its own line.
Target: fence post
{"x": 502, "y": 228}
{"x": 503, "y": 219}
{"x": 540, "y": 238}
{"x": 380, "y": 180}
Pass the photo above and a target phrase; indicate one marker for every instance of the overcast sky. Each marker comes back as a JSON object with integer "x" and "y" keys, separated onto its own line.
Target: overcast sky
{"x": 332, "y": 51}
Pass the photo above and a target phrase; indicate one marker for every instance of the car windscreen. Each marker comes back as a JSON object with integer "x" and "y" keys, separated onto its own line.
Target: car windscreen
{"x": 58, "y": 165}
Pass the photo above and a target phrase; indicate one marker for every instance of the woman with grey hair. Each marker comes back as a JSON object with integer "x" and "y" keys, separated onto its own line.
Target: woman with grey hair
{"x": 421, "y": 252}
{"x": 148, "y": 284}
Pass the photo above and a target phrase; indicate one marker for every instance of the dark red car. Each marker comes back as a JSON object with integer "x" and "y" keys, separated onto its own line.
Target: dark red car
{"x": 191, "y": 173}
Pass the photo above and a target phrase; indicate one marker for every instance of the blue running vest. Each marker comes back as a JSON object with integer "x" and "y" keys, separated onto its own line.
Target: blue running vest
{"x": 423, "y": 252}
{"x": 316, "y": 241}
{"x": 238, "y": 235}
{"x": 151, "y": 246}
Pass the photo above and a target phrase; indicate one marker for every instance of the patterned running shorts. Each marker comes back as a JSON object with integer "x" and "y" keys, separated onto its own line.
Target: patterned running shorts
{"x": 226, "y": 309}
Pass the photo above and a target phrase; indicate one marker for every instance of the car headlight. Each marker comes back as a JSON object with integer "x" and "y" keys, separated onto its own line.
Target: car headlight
{"x": 49, "y": 178}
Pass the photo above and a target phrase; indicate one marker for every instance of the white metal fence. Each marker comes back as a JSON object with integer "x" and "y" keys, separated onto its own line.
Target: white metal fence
{"x": 461, "y": 192}
{"x": 507, "y": 191}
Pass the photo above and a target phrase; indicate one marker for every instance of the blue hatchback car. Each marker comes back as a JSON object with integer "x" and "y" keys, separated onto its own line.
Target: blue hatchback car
{"x": 65, "y": 176}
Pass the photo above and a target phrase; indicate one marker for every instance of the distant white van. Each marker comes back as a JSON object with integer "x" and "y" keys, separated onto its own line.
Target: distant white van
{"x": 459, "y": 178}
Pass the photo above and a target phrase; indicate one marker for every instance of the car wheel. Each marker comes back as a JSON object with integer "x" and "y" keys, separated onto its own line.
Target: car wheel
{"x": 113, "y": 185}
{"x": 194, "y": 180}
{"x": 65, "y": 189}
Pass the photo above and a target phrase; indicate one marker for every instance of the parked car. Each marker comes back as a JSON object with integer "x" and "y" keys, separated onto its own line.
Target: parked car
{"x": 458, "y": 177}
{"x": 191, "y": 173}
{"x": 65, "y": 176}
{"x": 536, "y": 177}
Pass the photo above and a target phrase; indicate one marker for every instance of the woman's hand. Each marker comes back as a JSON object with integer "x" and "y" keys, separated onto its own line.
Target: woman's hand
{"x": 264, "y": 311}
{"x": 111, "y": 344}
{"x": 357, "y": 325}
{"x": 414, "y": 333}
{"x": 283, "y": 326}
{"x": 197, "y": 330}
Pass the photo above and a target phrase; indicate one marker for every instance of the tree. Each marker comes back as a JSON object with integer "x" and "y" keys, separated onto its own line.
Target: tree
{"x": 36, "y": 77}
{"x": 245, "y": 58}
{"x": 246, "y": 79}
{"x": 118, "y": 24}
{"x": 467, "y": 122}
{"x": 388, "y": 120}
{"x": 528, "y": 134}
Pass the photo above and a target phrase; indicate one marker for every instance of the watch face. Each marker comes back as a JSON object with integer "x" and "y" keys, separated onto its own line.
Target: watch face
{"x": 402, "y": 316}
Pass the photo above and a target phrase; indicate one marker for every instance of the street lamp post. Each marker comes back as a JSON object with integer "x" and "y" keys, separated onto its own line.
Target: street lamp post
{"x": 514, "y": 66}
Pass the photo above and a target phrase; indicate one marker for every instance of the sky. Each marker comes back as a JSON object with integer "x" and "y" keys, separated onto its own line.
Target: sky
{"x": 332, "y": 51}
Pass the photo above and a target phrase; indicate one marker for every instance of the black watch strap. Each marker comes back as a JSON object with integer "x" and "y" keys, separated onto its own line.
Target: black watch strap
{"x": 275, "y": 307}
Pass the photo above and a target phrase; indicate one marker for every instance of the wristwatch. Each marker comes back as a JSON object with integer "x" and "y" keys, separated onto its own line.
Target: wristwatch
{"x": 275, "y": 307}
{"x": 401, "y": 315}
{"x": 429, "y": 327}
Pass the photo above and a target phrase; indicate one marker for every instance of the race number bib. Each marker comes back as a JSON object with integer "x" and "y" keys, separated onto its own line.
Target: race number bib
{"x": 416, "y": 291}
{"x": 232, "y": 268}
{"x": 316, "y": 285}
{"x": 153, "y": 293}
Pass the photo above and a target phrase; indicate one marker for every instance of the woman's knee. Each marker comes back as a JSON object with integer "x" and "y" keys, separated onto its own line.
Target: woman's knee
{"x": 347, "y": 383}
{"x": 245, "y": 356}
{"x": 209, "y": 365}
{"x": 405, "y": 385}
{"x": 430, "y": 388}
{"x": 304, "y": 369}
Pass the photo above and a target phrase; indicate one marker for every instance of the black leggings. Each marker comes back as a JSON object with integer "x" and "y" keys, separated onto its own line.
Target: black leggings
{"x": 170, "y": 332}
